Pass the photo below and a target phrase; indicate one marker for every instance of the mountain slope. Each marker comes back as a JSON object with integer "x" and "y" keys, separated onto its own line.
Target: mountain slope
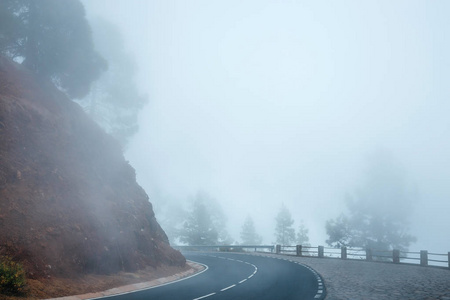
{"x": 69, "y": 202}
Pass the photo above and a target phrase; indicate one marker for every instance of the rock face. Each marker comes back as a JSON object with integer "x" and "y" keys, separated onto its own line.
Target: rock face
{"x": 69, "y": 202}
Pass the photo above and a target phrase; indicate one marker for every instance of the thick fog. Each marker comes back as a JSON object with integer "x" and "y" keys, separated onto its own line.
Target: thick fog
{"x": 263, "y": 103}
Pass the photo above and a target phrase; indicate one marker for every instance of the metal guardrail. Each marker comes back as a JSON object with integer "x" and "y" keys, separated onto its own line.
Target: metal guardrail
{"x": 226, "y": 248}
{"x": 423, "y": 258}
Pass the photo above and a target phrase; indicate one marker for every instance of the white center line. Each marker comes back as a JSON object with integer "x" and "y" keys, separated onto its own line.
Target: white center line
{"x": 204, "y": 296}
{"x": 231, "y": 286}
{"x": 243, "y": 280}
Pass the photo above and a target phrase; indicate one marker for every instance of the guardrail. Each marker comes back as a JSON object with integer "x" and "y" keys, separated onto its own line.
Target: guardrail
{"x": 226, "y": 248}
{"x": 423, "y": 257}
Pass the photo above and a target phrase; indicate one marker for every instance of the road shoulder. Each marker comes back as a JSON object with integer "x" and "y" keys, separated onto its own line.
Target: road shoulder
{"x": 193, "y": 269}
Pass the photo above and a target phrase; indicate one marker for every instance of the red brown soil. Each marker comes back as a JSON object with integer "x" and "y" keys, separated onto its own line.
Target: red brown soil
{"x": 54, "y": 287}
{"x": 69, "y": 202}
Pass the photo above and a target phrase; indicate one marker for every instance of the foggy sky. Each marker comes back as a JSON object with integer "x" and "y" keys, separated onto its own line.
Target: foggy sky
{"x": 260, "y": 103}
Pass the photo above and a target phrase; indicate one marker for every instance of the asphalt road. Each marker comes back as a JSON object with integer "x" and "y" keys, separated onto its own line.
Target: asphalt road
{"x": 239, "y": 276}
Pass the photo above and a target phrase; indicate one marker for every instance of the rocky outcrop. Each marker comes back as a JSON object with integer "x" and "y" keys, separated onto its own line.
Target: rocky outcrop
{"x": 69, "y": 201}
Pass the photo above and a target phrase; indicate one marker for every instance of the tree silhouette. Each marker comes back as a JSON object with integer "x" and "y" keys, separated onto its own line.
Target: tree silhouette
{"x": 199, "y": 228}
{"x": 302, "y": 235}
{"x": 52, "y": 38}
{"x": 248, "y": 233}
{"x": 379, "y": 213}
{"x": 114, "y": 100}
{"x": 284, "y": 232}
{"x": 205, "y": 223}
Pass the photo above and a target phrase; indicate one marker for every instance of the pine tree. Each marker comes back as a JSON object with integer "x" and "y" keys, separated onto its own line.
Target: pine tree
{"x": 205, "y": 224}
{"x": 51, "y": 38}
{"x": 248, "y": 233}
{"x": 114, "y": 100}
{"x": 199, "y": 228}
{"x": 302, "y": 235}
{"x": 284, "y": 232}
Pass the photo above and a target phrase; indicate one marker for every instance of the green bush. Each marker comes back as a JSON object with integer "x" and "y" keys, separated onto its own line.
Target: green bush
{"x": 12, "y": 277}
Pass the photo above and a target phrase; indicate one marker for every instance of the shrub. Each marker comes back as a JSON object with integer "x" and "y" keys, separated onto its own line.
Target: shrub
{"x": 12, "y": 277}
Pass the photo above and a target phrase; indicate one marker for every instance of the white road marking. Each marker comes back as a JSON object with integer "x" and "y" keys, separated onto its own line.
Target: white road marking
{"x": 171, "y": 282}
{"x": 227, "y": 288}
{"x": 204, "y": 296}
{"x": 320, "y": 290}
{"x": 231, "y": 286}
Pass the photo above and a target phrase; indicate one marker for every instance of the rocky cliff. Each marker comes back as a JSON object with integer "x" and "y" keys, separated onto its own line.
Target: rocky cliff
{"x": 69, "y": 201}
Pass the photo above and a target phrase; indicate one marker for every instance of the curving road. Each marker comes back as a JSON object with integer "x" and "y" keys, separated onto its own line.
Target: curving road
{"x": 239, "y": 276}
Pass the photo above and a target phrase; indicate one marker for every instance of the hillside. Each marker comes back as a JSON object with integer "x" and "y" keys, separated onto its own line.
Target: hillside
{"x": 69, "y": 201}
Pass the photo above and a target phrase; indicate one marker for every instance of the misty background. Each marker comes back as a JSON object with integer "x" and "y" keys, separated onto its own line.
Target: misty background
{"x": 260, "y": 104}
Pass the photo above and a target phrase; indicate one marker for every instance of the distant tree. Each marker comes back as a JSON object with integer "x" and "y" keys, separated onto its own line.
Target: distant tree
{"x": 114, "y": 101}
{"x": 218, "y": 217}
{"x": 248, "y": 233}
{"x": 379, "y": 213}
{"x": 302, "y": 235}
{"x": 206, "y": 223}
{"x": 284, "y": 232}
{"x": 199, "y": 228}
{"x": 52, "y": 38}
{"x": 171, "y": 216}
{"x": 340, "y": 233}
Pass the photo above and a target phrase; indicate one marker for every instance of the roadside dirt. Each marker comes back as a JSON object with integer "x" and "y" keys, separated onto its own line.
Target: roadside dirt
{"x": 59, "y": 287}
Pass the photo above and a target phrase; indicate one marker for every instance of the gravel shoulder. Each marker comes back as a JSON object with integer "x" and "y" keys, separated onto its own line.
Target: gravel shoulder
{"x": 347, "y": 279}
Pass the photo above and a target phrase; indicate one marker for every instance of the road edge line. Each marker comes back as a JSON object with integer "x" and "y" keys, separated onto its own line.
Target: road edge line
{"x": 113, "y": 292}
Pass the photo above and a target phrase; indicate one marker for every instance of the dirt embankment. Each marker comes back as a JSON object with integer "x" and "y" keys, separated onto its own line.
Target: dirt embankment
{"x": 69, "y": 202}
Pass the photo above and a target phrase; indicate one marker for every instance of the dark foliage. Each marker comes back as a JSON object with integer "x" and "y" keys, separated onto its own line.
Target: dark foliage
{"x": 12, "y": 277}
{"x": 52, "y": 38}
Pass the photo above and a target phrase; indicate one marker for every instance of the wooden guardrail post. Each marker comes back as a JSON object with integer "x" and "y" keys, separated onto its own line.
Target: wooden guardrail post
{"x": 369, "y": 256}
{"x": 423, "y": 257}
{"x": 321, "y": 251}
{"x": 278, "y": 249}
{"x": 299, "y": 250}
{"x": 396, "y": 256}
{"x": 343, "y": 252}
